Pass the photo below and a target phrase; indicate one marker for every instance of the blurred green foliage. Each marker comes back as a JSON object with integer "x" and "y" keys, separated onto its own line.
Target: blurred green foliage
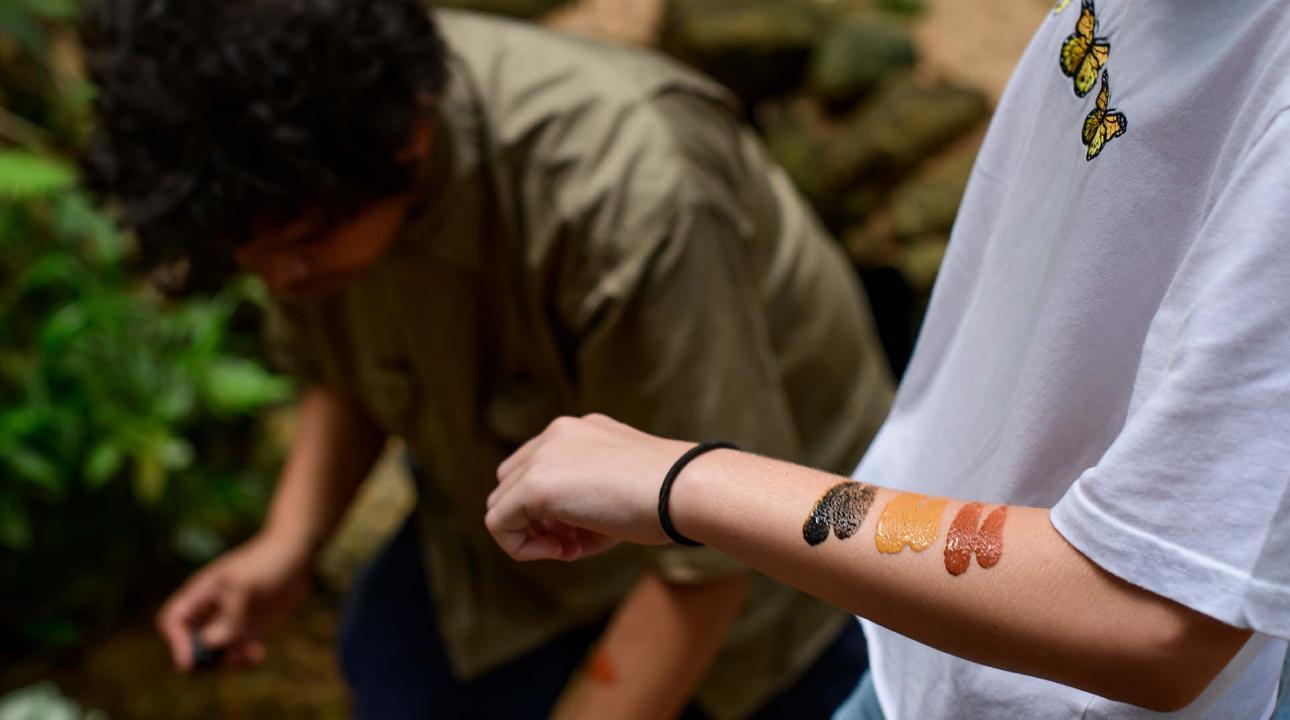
{"x": 129, "y": 430}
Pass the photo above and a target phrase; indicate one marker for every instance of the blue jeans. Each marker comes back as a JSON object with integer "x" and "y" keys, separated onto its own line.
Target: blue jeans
{"x": 393, "y": 658}
{"x": 1283, "y": 702}
{"x": 863, "y": 703}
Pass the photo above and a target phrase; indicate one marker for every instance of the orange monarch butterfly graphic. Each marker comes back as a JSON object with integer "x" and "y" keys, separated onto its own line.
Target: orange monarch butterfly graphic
{"x": 1084, "y": 53}
{"x": 1104, "y": 123}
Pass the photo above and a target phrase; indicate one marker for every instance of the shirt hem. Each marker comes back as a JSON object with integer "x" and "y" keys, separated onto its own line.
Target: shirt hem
{"x": 1198, "y": 582}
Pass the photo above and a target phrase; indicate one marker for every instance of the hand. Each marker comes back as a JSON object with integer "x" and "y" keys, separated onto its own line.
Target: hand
{"x": 580, "y": 487}
{"x": 232, "y": 602}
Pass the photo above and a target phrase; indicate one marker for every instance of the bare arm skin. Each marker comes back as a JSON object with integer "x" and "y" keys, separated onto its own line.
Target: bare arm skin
{"x": 655, "y": 651}
{"x": 332, "y": 452}
{"x": 242, "y": 594}
{"x": 1039, "y": 608}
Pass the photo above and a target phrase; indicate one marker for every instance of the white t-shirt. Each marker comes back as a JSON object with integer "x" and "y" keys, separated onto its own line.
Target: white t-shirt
{"x": 1111, "y": 338}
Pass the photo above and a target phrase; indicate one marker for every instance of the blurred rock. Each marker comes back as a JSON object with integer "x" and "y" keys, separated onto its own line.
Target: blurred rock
{"x": 922, "y": 260}
{"x": 899, "y": 229}
{"x": 513, "y": 8}
{"x": 848, "y": 167}
{"x": 929, "y": 202}
{"x": 904, "y": 123}
{"x": 758, "y": 48}
{"x": 855, "y": 55}
{"x": 904, "y": 7}
{"x": 799, "y": 135}
{"x": 873, "y": 244}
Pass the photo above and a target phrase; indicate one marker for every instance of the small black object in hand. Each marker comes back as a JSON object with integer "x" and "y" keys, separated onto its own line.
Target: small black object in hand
{"x": 204, "y": 657}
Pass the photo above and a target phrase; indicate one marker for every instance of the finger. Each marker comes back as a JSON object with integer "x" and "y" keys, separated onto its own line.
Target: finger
{"x": 508, "y": 485}
{"x": 507, "y": 468}
{"x": 187, "y": 608}
{"x": 514, "y": 532}
{"x": 228, "y": 625}
{"x": 567, "y": 535}
{"x": 256, "y": 651}
{"x": 508, "y": 480}
{"x": 541, "y": 546}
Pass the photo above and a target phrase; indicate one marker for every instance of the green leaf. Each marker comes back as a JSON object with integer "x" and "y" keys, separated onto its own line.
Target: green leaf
{"x": 25, "y": 175}
{"x": 175, "y": 453}
{"x": 61, "y": 327}
{"x": 51, "y": 9}
{"x": 17, "y": 23}
{"x": 149, "y": 478}
{"x": 55, "y": 631}
{"x": 78, "y": 219}
{"x": 31, "y": 466}
{"x": 197, "y": 543}
{"x": 58, "y": 267}
{"x": 174, "y": 402}
{"x": 105, "y": 461}
{"x": 238, "y": 386}
{"x": 15, "y": 528}
{"x": 18, "y": 421}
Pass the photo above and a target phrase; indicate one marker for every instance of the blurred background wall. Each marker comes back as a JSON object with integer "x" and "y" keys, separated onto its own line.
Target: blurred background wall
{"x": 139, "y": 437}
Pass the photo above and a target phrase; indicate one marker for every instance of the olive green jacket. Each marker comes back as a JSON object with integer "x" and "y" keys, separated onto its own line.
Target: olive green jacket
{"x": 602, "y": 235}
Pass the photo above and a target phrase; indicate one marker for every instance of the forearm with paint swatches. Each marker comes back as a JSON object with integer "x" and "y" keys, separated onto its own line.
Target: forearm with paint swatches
{"x": 994, "y": 584}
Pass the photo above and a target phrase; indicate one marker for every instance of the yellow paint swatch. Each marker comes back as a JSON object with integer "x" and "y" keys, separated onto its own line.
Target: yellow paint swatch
{"x": 909, "y": 519}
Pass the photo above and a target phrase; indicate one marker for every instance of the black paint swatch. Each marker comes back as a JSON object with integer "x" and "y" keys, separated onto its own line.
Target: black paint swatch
{"x": 842, "y": 508}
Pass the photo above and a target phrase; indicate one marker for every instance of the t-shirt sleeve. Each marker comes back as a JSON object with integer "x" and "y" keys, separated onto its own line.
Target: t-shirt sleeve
{"x": 295, "y": 345}
{"x": 1192, "y": 500}
{"x": 672, "y": 340}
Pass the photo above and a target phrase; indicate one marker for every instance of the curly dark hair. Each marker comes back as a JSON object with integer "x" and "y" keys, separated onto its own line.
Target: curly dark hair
{"x": 218, "y": 114}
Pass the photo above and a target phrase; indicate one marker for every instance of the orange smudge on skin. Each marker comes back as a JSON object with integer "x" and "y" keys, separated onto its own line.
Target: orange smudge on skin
{"x": 909, "y": 519}
{"x": 601, "y": 669}
{"x": 965, "y": 540}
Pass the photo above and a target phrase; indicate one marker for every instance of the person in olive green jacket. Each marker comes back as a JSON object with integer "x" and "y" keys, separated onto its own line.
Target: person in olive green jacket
{"x": 470, "y": 227}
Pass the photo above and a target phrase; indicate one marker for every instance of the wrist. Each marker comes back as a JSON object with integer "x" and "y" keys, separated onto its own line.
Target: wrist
{"x": 688, "y": 503}
{"x": 296, "y": 547}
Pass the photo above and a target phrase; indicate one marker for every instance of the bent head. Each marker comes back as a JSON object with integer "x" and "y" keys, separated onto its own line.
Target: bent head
{"x": 315, "y": 255}
{"x": 281, "y": 134}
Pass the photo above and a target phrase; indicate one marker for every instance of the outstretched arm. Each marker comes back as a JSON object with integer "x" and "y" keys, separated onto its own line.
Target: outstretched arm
{"x": 993, "y": 584}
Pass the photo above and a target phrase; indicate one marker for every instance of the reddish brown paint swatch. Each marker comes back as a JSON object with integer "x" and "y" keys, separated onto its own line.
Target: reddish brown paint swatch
{"x": 842, "y": 510}
{"x": 964, "y": 539}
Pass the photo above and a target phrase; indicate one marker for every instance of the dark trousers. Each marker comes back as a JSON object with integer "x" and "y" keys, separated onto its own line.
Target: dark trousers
{"x": 393, "y": 658}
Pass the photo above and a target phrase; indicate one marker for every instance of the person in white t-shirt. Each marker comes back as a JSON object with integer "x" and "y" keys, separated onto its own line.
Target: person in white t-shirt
{"x": 1102, "y": 385}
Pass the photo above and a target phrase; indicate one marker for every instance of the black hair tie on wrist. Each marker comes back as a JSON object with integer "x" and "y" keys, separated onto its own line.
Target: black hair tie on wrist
{"x": 665, "y": 492}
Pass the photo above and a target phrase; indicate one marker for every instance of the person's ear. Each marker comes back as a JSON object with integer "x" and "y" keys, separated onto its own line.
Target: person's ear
{"x": 419, "y": 144}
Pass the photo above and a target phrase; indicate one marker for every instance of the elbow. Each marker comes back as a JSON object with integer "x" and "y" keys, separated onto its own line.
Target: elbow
{"x": 1178, "y": 660}
{"x": 1168, "y": 699}
{"x": 1168, "y": 696}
